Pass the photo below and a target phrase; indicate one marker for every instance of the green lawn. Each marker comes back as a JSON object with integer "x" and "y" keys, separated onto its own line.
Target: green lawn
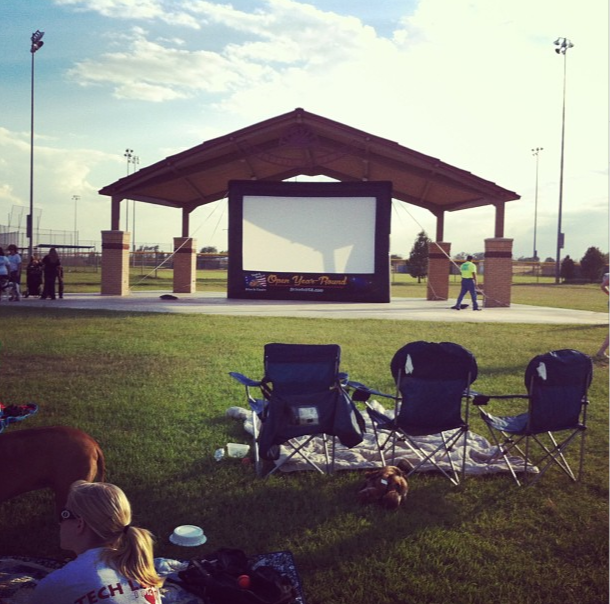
{"x": 153, "y": 390}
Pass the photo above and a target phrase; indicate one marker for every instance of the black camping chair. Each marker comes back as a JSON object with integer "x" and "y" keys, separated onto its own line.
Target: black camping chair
{"x": 432, "y": 394}
{"x": 557, "y": 384}
{"x": 303, "y": 396}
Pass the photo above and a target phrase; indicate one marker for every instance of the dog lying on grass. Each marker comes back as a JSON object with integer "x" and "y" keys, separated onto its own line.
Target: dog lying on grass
{"x": 387, "y": 486}
{"x": 54, "y": 458}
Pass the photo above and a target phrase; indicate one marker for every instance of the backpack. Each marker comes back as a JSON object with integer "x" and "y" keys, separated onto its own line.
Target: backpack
{"x": 227, "y": 576}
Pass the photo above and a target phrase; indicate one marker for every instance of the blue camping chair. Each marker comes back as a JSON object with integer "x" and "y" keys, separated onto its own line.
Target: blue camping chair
{"x": 303, "y": 396}
{"x": 557, "y": 384}
{"x": 432, "y": 395}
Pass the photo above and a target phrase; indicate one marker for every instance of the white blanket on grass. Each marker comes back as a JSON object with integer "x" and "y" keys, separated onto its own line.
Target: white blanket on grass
{"x": 481, "y": 456}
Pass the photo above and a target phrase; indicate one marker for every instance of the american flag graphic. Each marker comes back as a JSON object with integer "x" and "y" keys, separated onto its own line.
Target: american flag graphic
{"x": 258, "y": 280}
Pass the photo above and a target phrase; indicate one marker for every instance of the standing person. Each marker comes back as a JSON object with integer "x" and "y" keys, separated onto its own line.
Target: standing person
{"x": 50, "y": 264}
{"x": 15, "y": 274}
{"x": 602, "y": 353}
{"x": 60, "y": 281}
{"x": 33, "y": 276}
{"x": 5, "y": 268}
{"x": 468, "y": 270}
{"x": 114, "y": 561}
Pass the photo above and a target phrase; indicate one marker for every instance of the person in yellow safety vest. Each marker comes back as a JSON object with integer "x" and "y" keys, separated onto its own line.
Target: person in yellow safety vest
{"x": 469, "y": 284}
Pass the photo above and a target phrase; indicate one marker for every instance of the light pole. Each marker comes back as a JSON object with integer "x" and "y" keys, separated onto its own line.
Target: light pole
{"x": 37, "y": 44}
{"x": 135, "y": 160}
{"x": 536, "y": 153}
{"x": 128, "y": 155}
{"x": 562, "y": 45}
{"x": 75, "y": 199}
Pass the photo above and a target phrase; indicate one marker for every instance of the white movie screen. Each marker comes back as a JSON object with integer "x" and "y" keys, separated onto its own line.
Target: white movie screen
{"x": 318, "y": 241}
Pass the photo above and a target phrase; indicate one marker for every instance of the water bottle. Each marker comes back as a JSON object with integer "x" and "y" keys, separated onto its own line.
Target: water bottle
{"x": 219, "y": 454}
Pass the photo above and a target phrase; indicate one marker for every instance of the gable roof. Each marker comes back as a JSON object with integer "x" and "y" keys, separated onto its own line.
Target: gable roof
{"x": 302, "y": 143}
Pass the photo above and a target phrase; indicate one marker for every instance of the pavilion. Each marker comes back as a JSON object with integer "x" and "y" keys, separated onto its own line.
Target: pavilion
{"x": 302, "y": 143}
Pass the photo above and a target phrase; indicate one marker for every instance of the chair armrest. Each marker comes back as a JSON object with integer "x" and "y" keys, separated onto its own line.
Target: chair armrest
{"x": 480, "y": 399}
{"x": 242, "y": 379}
{"x": 365, "y": 392}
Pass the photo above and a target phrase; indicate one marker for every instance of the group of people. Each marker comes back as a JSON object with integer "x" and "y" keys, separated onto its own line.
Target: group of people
{"x": 10, "y": 268}
{"x": 43, "y": 273}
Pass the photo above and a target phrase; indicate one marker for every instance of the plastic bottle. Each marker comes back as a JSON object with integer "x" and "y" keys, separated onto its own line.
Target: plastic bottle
{"x": 219, "y": 454}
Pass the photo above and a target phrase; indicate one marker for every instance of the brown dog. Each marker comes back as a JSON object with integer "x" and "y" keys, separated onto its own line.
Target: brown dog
{"x": 54, "y": 458}
{"x": 387, "y": 486}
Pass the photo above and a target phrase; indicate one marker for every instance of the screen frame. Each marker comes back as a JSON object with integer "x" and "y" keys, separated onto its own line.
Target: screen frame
{"x": 361, "y": 287}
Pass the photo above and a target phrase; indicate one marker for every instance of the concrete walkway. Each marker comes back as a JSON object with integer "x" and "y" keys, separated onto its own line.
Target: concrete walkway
{"x": 408, "y": 309}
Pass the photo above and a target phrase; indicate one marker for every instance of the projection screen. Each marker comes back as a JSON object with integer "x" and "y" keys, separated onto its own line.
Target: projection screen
{"x": 309, "y": 241}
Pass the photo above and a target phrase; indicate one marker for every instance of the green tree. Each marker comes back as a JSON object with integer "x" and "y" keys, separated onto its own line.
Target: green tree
{"x": 418, "y": 258}
{"x": 210, "y": 249}
{"x": 592, "y": 264}
{"x": 568, "y": 269}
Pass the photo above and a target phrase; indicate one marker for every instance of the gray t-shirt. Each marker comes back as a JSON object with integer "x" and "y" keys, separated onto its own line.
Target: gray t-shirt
{"x": 86, "y": 580}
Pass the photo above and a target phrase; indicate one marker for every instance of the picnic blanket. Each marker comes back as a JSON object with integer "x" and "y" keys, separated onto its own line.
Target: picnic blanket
{"x": 19, "y": 576}
{"x": 481, "y": 456}
{"x": 10, "y": 414}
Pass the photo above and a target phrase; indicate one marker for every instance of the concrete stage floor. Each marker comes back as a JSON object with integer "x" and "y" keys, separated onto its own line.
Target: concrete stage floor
{"x": 404, "y": 309}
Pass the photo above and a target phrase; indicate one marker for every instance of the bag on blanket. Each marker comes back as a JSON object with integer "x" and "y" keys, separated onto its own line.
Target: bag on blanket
{"x": 216, "y": 579}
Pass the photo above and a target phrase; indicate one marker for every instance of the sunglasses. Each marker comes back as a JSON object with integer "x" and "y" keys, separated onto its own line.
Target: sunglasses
{"x": 67, "y": 515}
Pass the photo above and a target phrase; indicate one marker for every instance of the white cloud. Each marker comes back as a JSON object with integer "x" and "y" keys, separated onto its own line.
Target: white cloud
{"x": 135, "y": 10}
{"x": 473, "y": 82}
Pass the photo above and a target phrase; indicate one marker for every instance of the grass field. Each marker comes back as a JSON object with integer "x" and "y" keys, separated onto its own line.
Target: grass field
{"x": 153, "y": 390}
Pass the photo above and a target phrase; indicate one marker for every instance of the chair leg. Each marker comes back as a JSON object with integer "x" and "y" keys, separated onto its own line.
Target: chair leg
{"x": 255, "y": 434}
{"x": 503, "y": 452}
{"x": 297, "y": 449}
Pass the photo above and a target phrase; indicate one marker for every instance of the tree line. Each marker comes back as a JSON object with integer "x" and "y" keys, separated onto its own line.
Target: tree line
{"x": 591, "y": 266}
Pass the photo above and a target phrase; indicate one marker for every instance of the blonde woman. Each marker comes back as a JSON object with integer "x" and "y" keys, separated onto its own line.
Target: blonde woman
{"x": 114, "y": 561}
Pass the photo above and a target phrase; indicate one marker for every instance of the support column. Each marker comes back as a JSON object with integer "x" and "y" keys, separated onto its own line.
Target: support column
{"x": 498, "y": 271}
{"x": 185, "y": 262}
{"x": 439, "y": 261}
{"x": 115, "y": 263}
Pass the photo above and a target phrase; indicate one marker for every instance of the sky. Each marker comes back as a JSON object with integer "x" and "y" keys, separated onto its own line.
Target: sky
{"x": 474, "y": 83}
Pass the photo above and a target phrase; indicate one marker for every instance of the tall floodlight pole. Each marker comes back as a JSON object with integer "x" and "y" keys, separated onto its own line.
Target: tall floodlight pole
{"x": 562, "y": 45}
{"x": 536, "y": 153}
{"x": 37, "y": 44}
{"x": 135, "y": 160}
{"x": 128, "y": 155}
{"x": 75, "y": 199}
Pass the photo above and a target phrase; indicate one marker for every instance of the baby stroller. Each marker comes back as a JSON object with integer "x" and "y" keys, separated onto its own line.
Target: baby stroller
{"x": 33, "y": 279}
{"x": 7, "y": 289}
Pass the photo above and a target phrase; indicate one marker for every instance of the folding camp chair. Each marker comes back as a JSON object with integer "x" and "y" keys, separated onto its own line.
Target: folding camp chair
{"x": 557, "y": 383}
{"x": 302, "y": 397}
{"x": 432, "y": 394}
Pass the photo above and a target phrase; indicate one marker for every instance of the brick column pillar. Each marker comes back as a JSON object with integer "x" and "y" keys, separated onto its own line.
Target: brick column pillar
{"x": 185, "y": 262}
{"x": 115, "y": 263}
{"x": 498, "y": 272}
{"x": 438, "y": 270}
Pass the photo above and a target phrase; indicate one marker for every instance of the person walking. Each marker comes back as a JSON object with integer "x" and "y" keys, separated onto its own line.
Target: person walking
{"x": 15, "y": 273}
{"x": 468, "y": 270}
{"x": 114, "y": 562}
